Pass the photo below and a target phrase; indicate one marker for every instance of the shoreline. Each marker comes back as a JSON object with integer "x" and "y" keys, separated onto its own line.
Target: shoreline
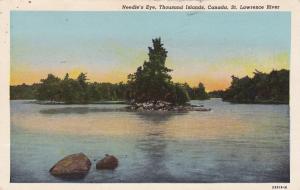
{"x": 63, "y": 103}
{"x": 124, "y": 102}
{"x": 257, "y": 102}
{"x": 159, "y": 106}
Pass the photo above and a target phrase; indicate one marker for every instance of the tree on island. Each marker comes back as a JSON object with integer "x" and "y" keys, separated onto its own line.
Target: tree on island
{"x": 23, "y": 91}
{"x": 49, "y": 88}
{"x": 70, "y": 91}
{"x": 200, "y": 92}
{"x": 152, "y": 82}
{"x": 196, "y": 93}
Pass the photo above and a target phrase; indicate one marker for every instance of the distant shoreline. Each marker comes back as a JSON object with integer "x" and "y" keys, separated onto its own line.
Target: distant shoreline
{"x": 127, "y": 103}
{"x": 257, "y": 102}
{"x": 63, "y": 103}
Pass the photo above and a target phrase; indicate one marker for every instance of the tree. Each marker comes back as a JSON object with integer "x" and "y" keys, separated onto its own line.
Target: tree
{"x": 152, "y": 82}
{"x": 49, "y": 88}
{"x": 82, "y": 88}
{"x": 82, "y": 79}
{"x": 196, "y": 93}
{"x": 200, "y": 93}
{"x": 270, "y": 87}
{"x": 69, "y": 90}
{"x": 23, "y": 91}
{"x": 177, "y": 94}
{"x": 216, "y": 94}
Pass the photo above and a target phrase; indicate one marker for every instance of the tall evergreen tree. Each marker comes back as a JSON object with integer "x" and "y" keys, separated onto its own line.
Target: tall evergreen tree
{"x": 152, "y": 81}
{"x": 82, "y": 89}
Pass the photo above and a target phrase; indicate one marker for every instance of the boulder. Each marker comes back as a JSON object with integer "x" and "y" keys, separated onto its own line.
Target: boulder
{"x": 72, "y": 166}
{"x": 109, "y": 162}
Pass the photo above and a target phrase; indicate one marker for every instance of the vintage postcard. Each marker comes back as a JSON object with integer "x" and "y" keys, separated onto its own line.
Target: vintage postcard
{"x": 150, "y": 94}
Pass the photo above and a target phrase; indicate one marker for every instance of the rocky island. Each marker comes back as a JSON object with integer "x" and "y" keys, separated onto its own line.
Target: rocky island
{"x": 165, "y": 106}
{"x": 149, "y": 88}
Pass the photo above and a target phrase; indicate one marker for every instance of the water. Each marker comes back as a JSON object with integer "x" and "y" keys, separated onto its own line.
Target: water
{"x": 232, "y": 143}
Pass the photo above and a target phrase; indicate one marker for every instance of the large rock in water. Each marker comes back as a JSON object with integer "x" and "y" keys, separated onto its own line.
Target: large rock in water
{"x": 73, "y": 166}
{"x": 109, "y": 162}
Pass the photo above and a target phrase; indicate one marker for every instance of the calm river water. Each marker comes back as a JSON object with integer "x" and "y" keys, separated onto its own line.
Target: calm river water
{"x": 231, "y": 143}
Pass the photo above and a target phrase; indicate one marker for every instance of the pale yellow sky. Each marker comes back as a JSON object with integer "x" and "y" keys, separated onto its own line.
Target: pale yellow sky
{"x": 207, "y": 47}
{"x": 214, "y": 75}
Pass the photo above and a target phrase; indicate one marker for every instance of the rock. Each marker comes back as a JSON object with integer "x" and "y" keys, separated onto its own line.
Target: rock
{"x": 109, "y": 162}
{"x": 73, "y": 166}
{"x": 165, "y": 106}
{"x": 140, "y": 109}
{"x": 197, "y": 106}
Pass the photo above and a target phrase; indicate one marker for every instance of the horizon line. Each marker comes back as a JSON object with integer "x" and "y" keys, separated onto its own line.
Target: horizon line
{"x": 122, "y": 81}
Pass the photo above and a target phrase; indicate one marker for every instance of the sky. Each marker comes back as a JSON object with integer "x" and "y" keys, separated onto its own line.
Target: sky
{"x": 207, "y": 47}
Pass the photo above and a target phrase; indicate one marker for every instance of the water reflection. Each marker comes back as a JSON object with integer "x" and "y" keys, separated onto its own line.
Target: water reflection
{"x": 153, "y": 146}
{"x": 233, "y": 143}
{"x": 78, "y": 110}
{"x": 157, "y": 117}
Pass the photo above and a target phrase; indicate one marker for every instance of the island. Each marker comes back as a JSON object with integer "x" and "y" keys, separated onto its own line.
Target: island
{"x": 151, "y": 87}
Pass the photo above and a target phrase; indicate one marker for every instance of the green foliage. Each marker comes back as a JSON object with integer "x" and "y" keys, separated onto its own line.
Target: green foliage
{"x": 262, "y": 88}
{"x": 216, "y": 94}
{"x": 23, "y": 91}
{"x": 200, "y": 93}
{"x": 151, "y": 81}
{"x": 177, "y": 94}
{"x": 49, "y": 88}
{"x": 70, "y": 91}
{"x": 196, "y": 93}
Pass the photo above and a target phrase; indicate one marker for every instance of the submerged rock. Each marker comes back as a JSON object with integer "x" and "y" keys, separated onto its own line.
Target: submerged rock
{"x": 73, "y": 166}
{"x": 109, "y": 162}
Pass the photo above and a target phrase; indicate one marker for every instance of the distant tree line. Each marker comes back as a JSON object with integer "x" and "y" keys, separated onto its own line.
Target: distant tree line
{"x": 150, "y": 82}
{"x": 197, "y": 93}
{"x": 216, "y": 94}
{"x": 79, "y": 90}
{"x": 69, "y": 90}
{"x": 23, "y": 91}
{"x": 270, "y": 87}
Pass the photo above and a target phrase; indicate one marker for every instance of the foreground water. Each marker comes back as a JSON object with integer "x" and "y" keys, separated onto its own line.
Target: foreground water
{"x": 231, "y": 143}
